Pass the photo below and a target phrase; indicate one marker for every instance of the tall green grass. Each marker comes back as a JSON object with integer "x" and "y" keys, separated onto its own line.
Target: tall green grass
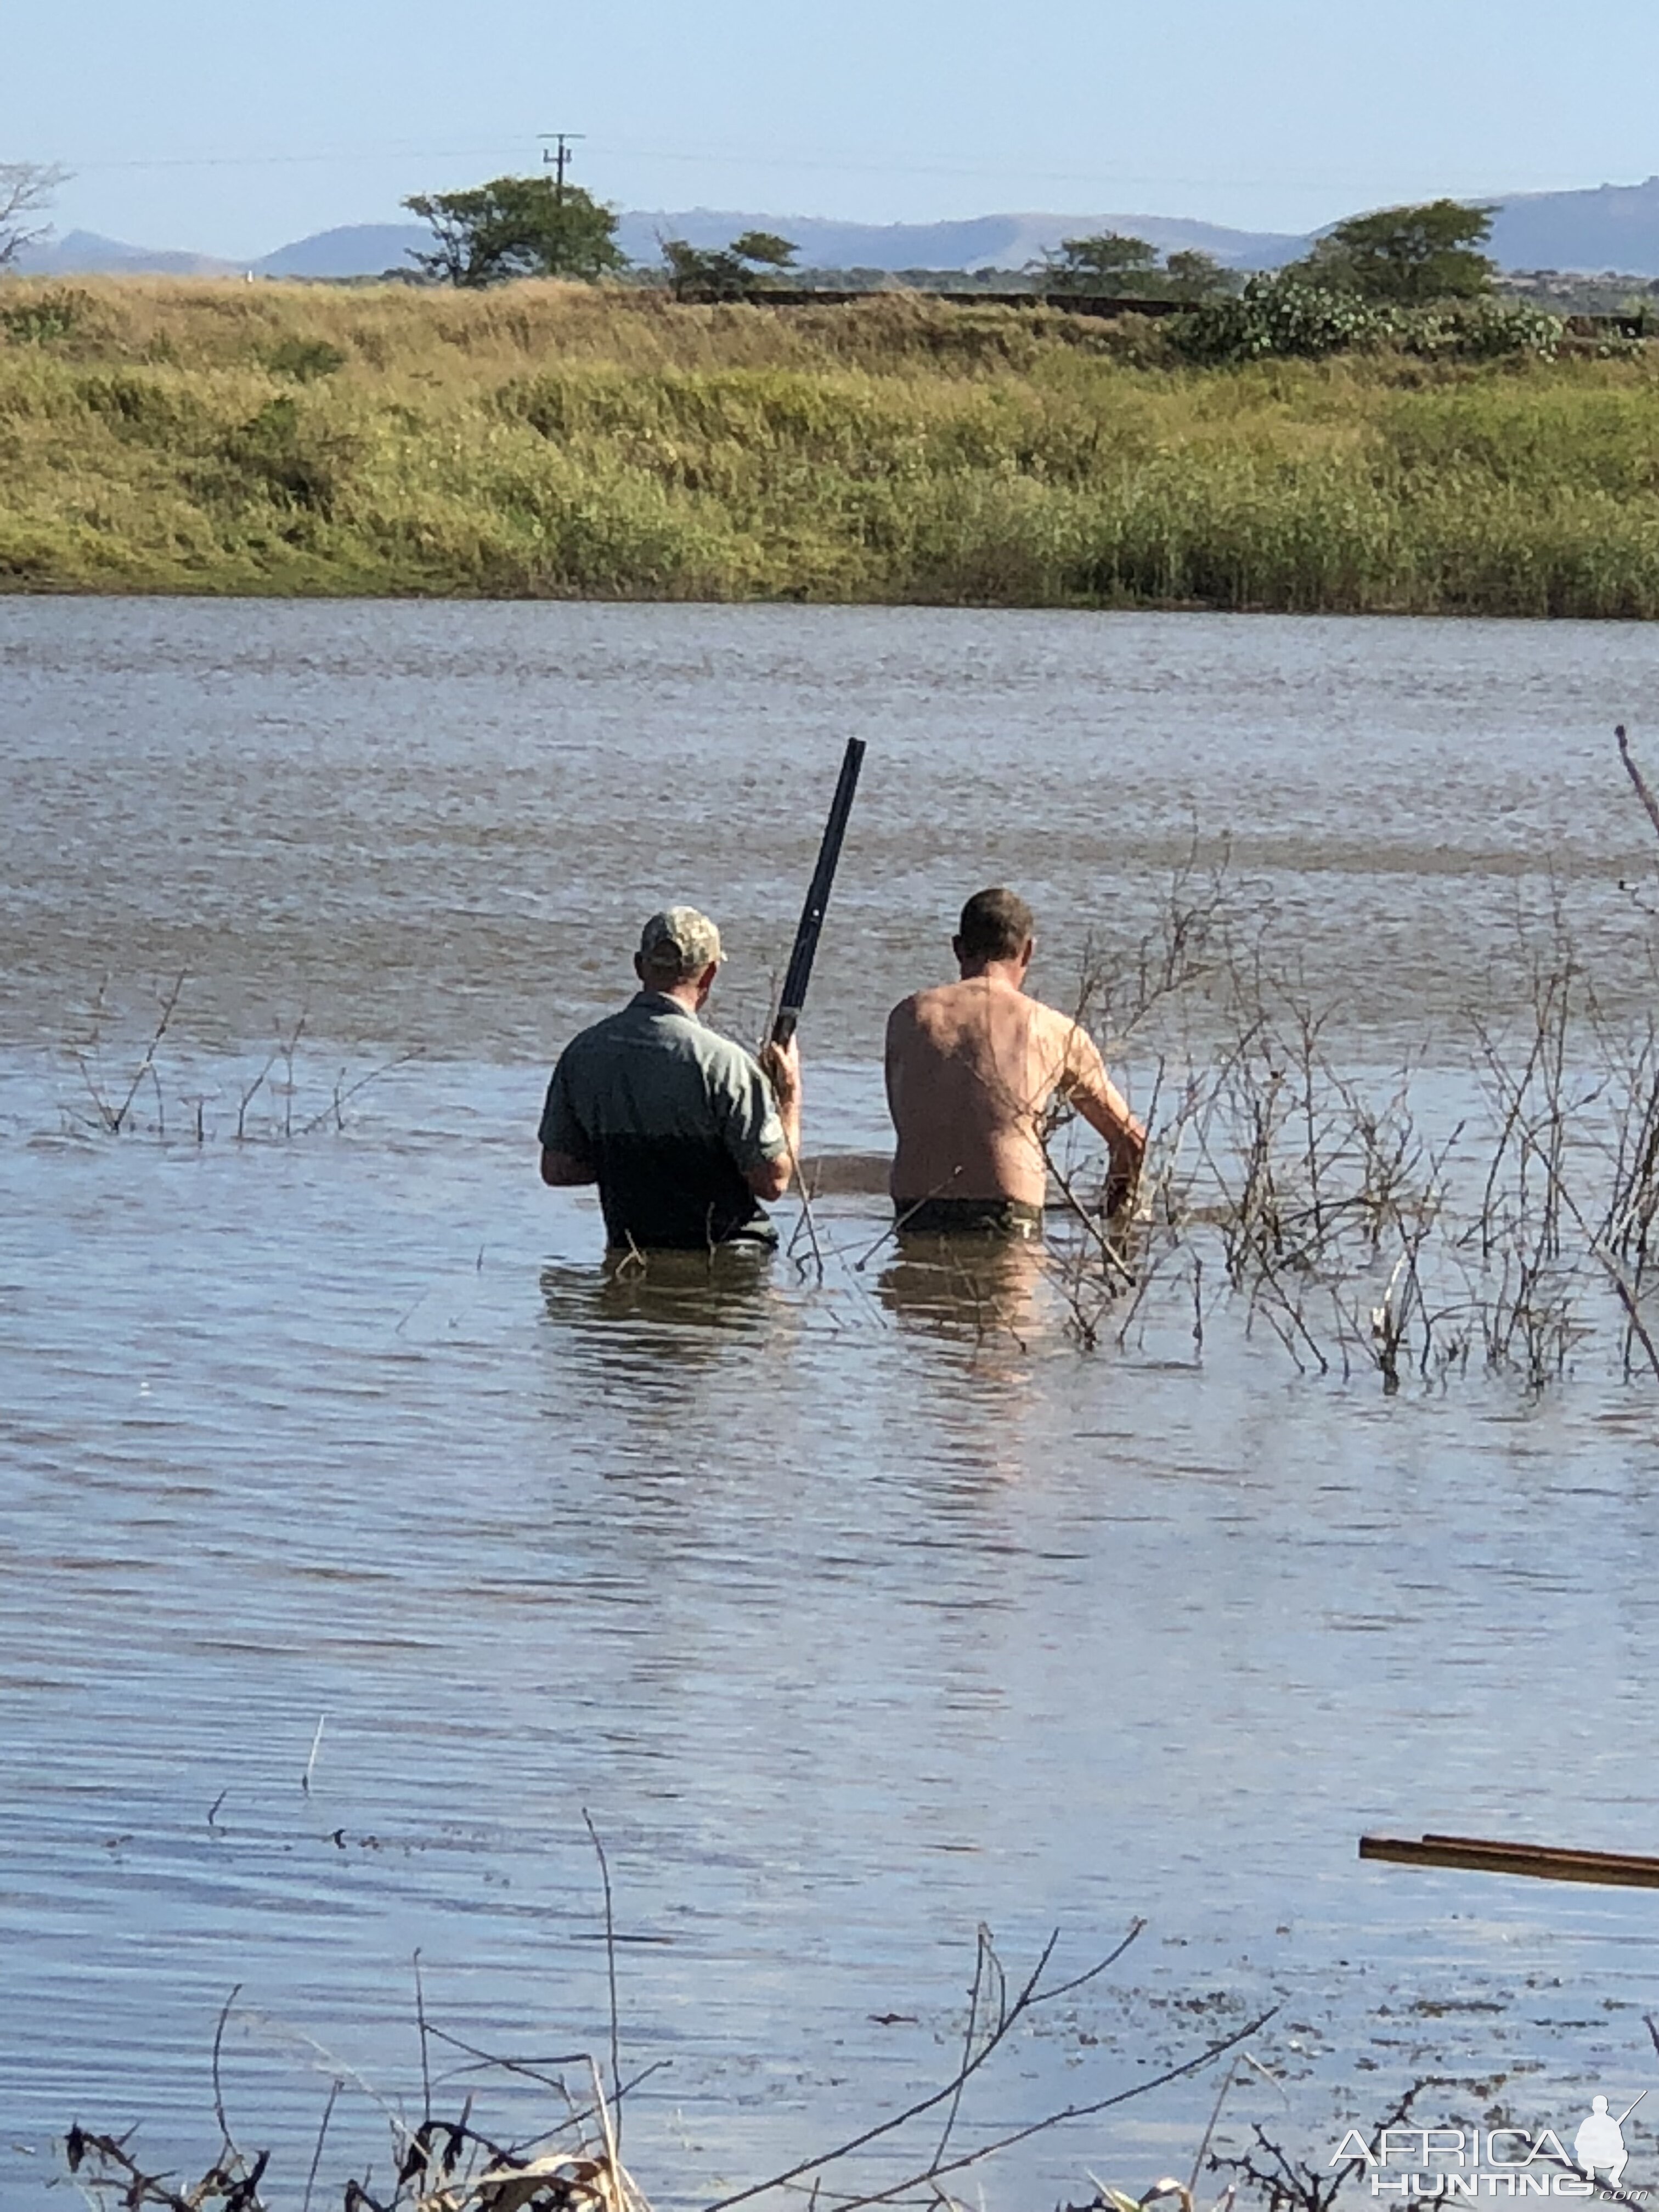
{"x": 549, "y": 440}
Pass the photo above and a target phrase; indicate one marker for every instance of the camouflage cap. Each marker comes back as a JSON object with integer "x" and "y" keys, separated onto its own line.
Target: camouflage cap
{"x": 681, "y": 942}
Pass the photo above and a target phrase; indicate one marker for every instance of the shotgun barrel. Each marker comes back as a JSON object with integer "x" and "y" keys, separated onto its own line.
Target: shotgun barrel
{"x": 818, "y": 897}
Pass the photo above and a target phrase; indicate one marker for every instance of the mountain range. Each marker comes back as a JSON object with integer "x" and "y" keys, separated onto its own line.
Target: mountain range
{"x": 1611, "y": 227}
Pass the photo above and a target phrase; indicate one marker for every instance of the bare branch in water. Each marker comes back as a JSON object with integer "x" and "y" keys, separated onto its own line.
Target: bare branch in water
{"x": 1031, "y": 1995}
{"x": 610, "y": 1971}
{"x": 1636, "y": 778}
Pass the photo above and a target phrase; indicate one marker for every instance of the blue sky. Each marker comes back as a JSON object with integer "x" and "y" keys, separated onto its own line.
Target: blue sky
{"x": 230, "y": 129}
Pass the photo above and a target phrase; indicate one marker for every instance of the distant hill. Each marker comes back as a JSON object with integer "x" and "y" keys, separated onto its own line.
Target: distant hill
{"x": 987, "y": 242}
{"x": 991, "y": 241}
{"x": 1614, "y": 227}
{"x": 84, "y": 253}
{"x": 1611, "y": 227}
{"x": 358, "y": 249}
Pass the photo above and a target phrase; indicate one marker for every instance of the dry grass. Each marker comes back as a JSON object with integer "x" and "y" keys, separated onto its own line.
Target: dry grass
{"x": 555, "y": 441}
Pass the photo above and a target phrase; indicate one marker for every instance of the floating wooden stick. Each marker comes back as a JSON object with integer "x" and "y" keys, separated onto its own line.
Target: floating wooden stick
{"x": 1542, "y": 1862}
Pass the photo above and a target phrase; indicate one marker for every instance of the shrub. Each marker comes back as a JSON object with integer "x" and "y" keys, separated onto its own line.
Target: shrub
{"x": 44, "y": 316}
{"x": 1280, "y": 315}
{"x": 1485, "y": 330}
{"x": 1286, "y": 317}
{"x": 305, "y": 359}
{"x": 293, "y": 458}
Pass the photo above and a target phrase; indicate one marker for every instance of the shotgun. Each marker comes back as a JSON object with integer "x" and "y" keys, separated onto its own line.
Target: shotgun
{"x": 818, "y": 896}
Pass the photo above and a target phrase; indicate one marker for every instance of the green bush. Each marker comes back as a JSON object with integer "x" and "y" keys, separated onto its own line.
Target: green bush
{"x": 44, "y": 316}
{"x": 1482, "y": 330}
{"x": 290, "y": 457}
{"x": 1283, "y": 316}
{"x": 305, "y": 359}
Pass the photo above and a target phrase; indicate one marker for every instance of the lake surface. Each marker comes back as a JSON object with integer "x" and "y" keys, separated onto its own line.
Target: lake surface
{"x": 854, "y": 1620}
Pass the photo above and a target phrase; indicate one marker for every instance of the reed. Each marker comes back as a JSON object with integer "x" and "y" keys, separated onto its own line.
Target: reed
{"x": 559, "y": 442}
{"x": 481, "y": 2160}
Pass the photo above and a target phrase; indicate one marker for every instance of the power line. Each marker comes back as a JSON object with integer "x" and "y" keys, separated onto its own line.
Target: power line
{"x": 354, "y": 156}
{"x": 1105, "y": 175}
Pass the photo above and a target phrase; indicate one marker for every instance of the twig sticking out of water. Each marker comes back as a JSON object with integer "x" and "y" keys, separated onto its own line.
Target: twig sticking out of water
{"x": 114, "y": 1118}
{"x": 456, "y": 2166}
{"x": 610, "y": 1971}
{"x": 1636, "y": 778}
{"x": 929, "y": 2178}
{"x": 316, "y": 1746}
{"x": 112, "y": 2164}
{"x": 1286, "y": 2183}
{"x": 987, "y": 1974}
{"x": 421, "y": 2028}
{"x": 115, "y": 1114}
{"x": 344, "y": 1092}
{"x": 1032, "y": 1995}
{"x": 322, "y": 2137}
{"x": 227, "y": 2140}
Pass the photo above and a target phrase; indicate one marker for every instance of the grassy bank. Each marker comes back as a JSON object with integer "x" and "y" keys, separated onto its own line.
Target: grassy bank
{"x": 550, "y": 441}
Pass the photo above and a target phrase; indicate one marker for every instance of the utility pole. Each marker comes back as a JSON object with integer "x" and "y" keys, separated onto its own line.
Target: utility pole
{"x": 556, "y": 156}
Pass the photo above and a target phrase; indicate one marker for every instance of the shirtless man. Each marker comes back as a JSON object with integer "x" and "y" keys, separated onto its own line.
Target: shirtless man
{"x": 971, "y": 1068}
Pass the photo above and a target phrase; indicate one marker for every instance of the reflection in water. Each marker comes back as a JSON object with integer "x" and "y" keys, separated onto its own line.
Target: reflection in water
{"x": 726, "y": 1288}
{"x": 977, "y": 1287}
{"x": 682, "y": 1301}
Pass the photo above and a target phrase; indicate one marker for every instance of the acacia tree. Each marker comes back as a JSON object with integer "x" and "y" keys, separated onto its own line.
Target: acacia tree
{"x": 516, "y": 226}
{"x": 26, "y": 191}
{"x": 724, "y": 272}
{"x": 1190, "y": 275}
{"x": 1104, "y": 261}
{"x": 1407, "y": 256}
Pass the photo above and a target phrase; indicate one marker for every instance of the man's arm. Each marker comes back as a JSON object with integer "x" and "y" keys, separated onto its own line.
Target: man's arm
{"x": 563, "y": 1170}
{"x": 780, "y": 1065}
{"x": 565, "y": 1160}
{"x": 899, "y": 1027}
{"x": 1086, "y": 1084}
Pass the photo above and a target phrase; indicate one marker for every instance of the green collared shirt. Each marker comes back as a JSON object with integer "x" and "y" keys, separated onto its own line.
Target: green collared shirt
{"x": 672, "y": 1118}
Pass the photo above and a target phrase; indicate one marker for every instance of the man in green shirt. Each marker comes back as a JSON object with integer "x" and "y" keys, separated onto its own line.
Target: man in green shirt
{"x": 682, "y": 1130}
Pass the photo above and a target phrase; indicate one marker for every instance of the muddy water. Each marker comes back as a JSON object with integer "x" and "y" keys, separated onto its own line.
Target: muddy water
{"x": 852, "y": 1620}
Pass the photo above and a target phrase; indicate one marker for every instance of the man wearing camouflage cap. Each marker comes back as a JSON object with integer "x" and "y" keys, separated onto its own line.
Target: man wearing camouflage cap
{"x": 681, "y": 1129}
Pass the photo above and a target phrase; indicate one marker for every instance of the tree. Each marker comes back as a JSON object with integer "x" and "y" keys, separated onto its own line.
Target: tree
{"x": 1103, "y": 263}
{"x": 724, "y": 272}
{"x": 1406, "y": 256}
{"x": 27, "y": 189}
{"x": 516, "y": 226}
{"x": 766, "y": 248}
{"x": 1195, "y": 276}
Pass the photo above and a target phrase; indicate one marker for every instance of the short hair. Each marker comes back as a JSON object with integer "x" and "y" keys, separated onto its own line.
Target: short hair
{"x": 678, "y": 943}
{"x": 994, "y": 926}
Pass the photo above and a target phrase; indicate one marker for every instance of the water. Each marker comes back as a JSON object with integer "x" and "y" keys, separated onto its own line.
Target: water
{"x": 854, "y": 1618}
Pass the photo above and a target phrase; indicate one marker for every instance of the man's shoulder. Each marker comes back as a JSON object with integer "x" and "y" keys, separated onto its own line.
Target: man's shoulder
{"x": 715, "y": 1049}
{"x": 931, "y": 1000}
{"x": 1067, "y": 1045}
{"x": 652, "y": 1024}
{"x": 605, "y": 1032}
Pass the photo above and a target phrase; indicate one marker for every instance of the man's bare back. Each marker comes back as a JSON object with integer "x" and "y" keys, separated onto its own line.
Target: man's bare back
{"x": 971, "y": 1069}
